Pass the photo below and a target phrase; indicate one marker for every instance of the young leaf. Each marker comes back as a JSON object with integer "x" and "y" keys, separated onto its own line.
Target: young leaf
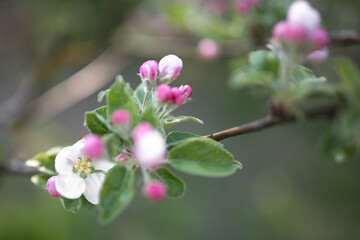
{"x": 150, "y": 116}
{"x": 94, "y": 124}
{"x": 264, "y": 61}
{"x": 174, "y": 137}
{"x": 71, "y": 205}
{"x": 102, "y": 94}
{"x": 116, "y": 193}
{"x": 40, "y": 180}
{"x": 45, "y": 162}
{"x": 119, "y": 97}
{"x": 203, "y": 157}
{"x": 170, "y": 121}
{"x": 139, "y": 94}
{"x": 113, "y": 145}
{"x": 175, "y": 186}
{"x": 250, "y": 77}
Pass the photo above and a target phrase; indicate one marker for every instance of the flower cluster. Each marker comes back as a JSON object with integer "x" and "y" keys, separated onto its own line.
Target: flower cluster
{"x": 302, "y": 29}
{"x": 83, "y": 166}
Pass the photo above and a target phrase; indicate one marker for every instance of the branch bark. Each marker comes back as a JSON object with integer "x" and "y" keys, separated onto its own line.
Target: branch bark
{"x": 269, "y": 121}
{"x": 345, "y": 37}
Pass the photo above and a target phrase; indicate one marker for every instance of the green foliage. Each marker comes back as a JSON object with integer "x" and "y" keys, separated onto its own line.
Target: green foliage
{"x": 45, "y": 162}
{"x": 174, "y": 137}
{"x": 171, "y": 120}
{"x": 120, "y": 97}
{"x": 117, "y": 192}
{"x": 150, "y": 116}
{"x": 203, "y": 157}
{"x": 175, "y": 186}
{"x": 71, "y": 205}
{"x": 94, "y": 121}
{"x": 40, "y": 180}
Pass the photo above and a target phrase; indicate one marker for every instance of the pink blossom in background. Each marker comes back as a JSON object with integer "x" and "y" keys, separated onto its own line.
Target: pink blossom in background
{"x": 208, "y": 49}
{"x": 319, "y": 55}
{"x": 93, "y": 146}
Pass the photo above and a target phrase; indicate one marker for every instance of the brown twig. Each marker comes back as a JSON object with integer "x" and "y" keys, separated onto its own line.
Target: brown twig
{"x": 17, "y": 166}
{"x": 269, "y": 121}
{"x": 345, "y": 37}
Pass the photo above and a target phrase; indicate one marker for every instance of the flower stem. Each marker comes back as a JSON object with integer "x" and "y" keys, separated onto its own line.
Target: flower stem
{"x": 147, "y": 92}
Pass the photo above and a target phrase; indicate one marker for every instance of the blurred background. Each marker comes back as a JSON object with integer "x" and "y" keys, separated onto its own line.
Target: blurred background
{"x": 56, "y": 55}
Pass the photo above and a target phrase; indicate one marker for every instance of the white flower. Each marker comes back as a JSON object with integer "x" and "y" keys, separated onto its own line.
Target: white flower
{"x": 300, "y": 12}
{"x": 79, "y": 174}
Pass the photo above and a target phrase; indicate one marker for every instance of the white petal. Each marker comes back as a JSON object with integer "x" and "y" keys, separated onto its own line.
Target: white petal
{"x": 65, "y": 160}
{"x": 70, "y": 186}
{"x": 93, "y": 184}
{"x": 103, "y": 164}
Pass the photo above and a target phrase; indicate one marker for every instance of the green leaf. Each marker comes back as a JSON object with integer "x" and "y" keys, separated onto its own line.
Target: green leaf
{"x": 71, "y": 205}
{"x": 94, "y": 123}
{"x": 102, "y": 94}
{"x": 139, "y": 94}
{"x": 306, "y": 76}
{"x": 113, "y": 145}
{"x": 119, "y": 97}
{"x": 116, "y": 193}
{"x": 40, "y": 180}
{"x": 203, "y": 157}
{"x": 45, "y": 162}
{"x": 264, "y": 61}
{"x": 149, "y": 115}
{"x": 175, "y": 186}
{"x": 250, "y": 77}
{"x": 175, "y": 137}
{"x": 170, "y": 120}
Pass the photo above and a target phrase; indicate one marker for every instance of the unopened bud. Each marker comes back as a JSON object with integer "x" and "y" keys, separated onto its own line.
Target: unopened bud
{"x": 120, "y": 118}
{"x": 164, "y": 93}
{"x": 155, "y": 191}
{"x": 50, "y": 187}
{"x": 93, "y": 146}
{"x": 149, "y": 70}
{"x": 170, "y": 67}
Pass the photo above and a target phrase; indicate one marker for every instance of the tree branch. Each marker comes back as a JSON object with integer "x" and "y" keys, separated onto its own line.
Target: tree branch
{"x": 345, "y": 37}
{"x": 17, "y": 166}
{"x": 270, "y": 121}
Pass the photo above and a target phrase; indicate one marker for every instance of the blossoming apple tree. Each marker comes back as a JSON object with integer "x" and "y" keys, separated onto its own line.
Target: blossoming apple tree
{"x": 128, "y": 136}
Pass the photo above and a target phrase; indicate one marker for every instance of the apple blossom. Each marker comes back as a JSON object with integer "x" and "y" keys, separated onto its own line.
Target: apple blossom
{"x": 93, "y": 146}
{"x": 186, "y": 91}
{"x": 208, "y": 49}
{"x": 120, "y": 118}
{"x": 301, "y": 12}
{"x": 164, "y": 93}
{"x": 80, "y": 174}
{"x": 50, "y": 187}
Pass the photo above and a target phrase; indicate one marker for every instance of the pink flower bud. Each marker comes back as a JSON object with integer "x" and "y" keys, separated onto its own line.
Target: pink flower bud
{"x": 149, "y": 146}
{"x": 155, "y": 191}
{"x": 186, "y": 91}
{"x": 319, "y": 38}
{"x": 141, "y": 129}
{"x": 318, "y": 55}
{"x": 120, "y": 118}
{"x": 290, "y": 33}
{"x": 208, "y": 49}
{"x": 170, "y": 67}
{"x": 50, "y": 187}
{"x": 164, "y": 93}
{"x": 177, "y": 97}
{"x": 93, "y": 146}
{"x": 300, "y": 12}
{"x": 149, "y": 70}
{"x": 243, "y": 7}
{"x": 123, "y": 158}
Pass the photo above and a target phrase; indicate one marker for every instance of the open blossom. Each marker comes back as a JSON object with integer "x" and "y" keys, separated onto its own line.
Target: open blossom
{"x": 78, "y": 173}
{"x": 149, "y": 146}
{"x": 170, "y": 67}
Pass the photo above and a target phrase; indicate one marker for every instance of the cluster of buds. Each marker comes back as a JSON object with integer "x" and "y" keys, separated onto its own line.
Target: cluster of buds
{"x": 244, "y": 7}
{"x": 176, "y": 96}
{"x": 302, "y": 29}
{"x": 167, "y": 70}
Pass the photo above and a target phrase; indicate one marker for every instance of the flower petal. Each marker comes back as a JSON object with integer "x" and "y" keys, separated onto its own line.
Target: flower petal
{"x": 93, "y": 184}
{"x": 65, "y": 160}
{"x": 70, "y": 186}
{"x": 103, "y": 164}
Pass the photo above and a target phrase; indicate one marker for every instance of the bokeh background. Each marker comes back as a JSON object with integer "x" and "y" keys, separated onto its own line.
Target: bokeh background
{"x": 287, "y": 188}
